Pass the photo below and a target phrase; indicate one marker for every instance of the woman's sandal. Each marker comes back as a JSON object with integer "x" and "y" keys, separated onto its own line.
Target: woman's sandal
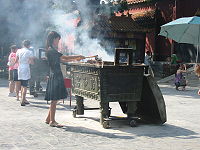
{"x": 55, "y": 124}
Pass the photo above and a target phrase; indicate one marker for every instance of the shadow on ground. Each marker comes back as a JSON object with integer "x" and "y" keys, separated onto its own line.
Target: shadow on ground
{"x": 190, "y": 92}
{"x": 153, "y": 131}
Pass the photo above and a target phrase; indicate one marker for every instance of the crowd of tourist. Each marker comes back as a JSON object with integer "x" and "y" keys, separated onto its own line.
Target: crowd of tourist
{"x": 19, "y": 62}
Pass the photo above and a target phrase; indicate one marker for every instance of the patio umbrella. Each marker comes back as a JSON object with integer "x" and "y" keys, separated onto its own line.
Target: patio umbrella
{"x": 183, "y": 30}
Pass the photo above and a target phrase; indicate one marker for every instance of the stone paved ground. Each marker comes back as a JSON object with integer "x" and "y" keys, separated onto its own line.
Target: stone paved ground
{"x": 23, "y": 128}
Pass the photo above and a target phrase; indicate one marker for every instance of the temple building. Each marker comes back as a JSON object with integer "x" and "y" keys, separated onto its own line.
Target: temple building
{"x": 137, "y": 25}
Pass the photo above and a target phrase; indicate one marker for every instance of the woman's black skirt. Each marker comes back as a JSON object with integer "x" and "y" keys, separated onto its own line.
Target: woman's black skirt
{"x": 55, "y": 88}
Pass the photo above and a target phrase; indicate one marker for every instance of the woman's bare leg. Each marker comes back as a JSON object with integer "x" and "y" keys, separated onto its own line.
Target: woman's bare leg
{"x": 21, "y": 90}
{"x": 11, "y": 86}
{"x": 22, "y": 100}
{"x": 51, "y": 115}
{"x": 48, "y": 117}
{"x": 17, "y": 88}
{"x": 24, "y": 90}
{"x": 52, "y": 110}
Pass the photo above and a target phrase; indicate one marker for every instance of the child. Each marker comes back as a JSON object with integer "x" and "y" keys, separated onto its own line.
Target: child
{"x": 180, "y": 78}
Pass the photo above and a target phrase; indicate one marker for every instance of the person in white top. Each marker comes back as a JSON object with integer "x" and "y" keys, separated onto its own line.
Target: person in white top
{"x": 24, "y": 58}
{"x": 147, "y": 61}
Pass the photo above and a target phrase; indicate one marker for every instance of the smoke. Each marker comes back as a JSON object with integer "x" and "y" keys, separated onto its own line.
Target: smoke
{"x": 75, "y": 28}
{"x": 32, "y": 19}
{"x": 23, "y": 19}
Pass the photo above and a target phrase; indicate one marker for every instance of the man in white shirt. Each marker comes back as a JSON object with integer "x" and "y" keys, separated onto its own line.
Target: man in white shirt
{"x": 24, "y": 58}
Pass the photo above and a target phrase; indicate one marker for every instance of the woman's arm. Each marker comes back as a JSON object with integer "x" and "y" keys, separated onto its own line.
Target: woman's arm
{"x": 65, "y": 58}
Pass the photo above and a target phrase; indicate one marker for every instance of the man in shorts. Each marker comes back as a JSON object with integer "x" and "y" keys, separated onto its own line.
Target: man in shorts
{"x": 24, "y": 58}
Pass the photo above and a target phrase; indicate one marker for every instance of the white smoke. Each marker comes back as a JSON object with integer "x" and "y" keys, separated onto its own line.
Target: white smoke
{"x": 30, "y": 19}
{"x": 84, "y": 44}
{"x": 23, "y": 19}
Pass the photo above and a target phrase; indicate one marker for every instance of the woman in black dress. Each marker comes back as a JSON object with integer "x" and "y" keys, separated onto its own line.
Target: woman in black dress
{"x": 55, "y": 87}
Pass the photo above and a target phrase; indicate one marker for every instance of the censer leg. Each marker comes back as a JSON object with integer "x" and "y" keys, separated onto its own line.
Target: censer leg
{"x": 132, "y": 107}
{"x": 80, "y": 105}
{"x": 105, "y": 111}
{"x": 131, "y": 113}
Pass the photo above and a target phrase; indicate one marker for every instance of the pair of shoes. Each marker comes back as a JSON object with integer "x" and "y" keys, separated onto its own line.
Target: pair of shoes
{"x": 55, "y": 124}
{"x": 23, "y": 104}
{"x": 26, "y": 102}
{"x": 12, "y": 94}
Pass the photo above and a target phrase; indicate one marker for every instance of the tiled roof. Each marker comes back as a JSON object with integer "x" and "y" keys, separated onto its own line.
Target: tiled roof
{"x": 124, "y": 23}
{"x": 145, "y": 15}
{"x": 120, "y": 24}
{"x": 130, "y": 1}
{"x": 135, "y": 1}
{"x": 145, "y": 18}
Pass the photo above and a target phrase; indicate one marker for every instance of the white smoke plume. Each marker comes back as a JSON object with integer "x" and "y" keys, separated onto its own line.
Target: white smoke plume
{"x": 30, "y": 19}
{"x": 66, "y": 25}
{"x": 22, "y": 19}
